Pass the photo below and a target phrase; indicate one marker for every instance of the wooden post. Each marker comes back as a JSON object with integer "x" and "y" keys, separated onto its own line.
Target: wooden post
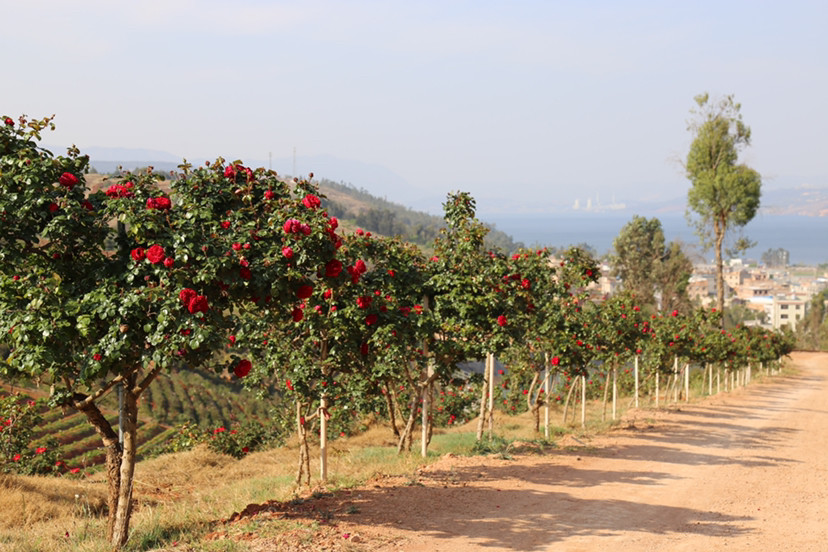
{"x": 491, "y": 359}
{"x": 614, "y": 391}
{"x": 687, "y": 382}
{"x": 635, "y": 371}
{"x": 323, "y": 438}
{"x": 546, "y": 397}
{"x": 583, "y": 401}
{"x": 426, "y": 419}
{"x": 675, "y": 379}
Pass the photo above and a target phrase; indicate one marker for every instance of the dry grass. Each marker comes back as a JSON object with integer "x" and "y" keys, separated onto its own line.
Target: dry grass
{"x": 27, "y": 501}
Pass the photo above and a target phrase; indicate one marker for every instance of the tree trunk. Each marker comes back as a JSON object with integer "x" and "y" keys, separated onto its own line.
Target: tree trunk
{"x": 407, "y": 434}
{"x": 656, "y": 388}
{"x": 719, "y": 234}
{"x": 114, "y": 454}
{"x": 534, "y": 407}
{"x": 390, "y": 404}
{"x": 569, "y": 396}
{"x": 606, "y": 395}
{"x": 304, "y": 451}
{"x": 123, "y": 510}
{"x": 704, "y": 378}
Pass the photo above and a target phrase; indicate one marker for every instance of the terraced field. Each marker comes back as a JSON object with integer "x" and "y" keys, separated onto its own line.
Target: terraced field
{"x": 198, "y": 398}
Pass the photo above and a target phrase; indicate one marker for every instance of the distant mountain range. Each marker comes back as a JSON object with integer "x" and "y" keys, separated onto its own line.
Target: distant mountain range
{"x": 802, "y": 200}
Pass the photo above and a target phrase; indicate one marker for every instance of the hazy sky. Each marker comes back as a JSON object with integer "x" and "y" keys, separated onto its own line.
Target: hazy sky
{"x": 526, "y": 105}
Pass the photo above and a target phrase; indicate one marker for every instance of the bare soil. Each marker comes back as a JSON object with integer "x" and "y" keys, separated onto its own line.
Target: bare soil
{"x": 746, "y": 470}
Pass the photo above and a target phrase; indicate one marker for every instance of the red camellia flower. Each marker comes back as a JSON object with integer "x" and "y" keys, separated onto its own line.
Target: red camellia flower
{"x": 363, "y": 349}
{"x": 291, "y": 226}
{"x": 556, "y": 361}
{"x": 155, "y": 254}
{"x": 333, "y": 268}
{"x": 675, "y": 313}
{"x": 360, "y": 266}
{"x": 269, "y": 194}
{"x": 225, "y": 224}
{"x": 198, "y": 304}
{"x": 160, "y": 203}
{"x": 68, "y": 180}
{"x": 287, "y": 252}
{"x": 305, "y": 291}
{"x": 328, "y": 293}
{"x": 391, "y": 272}
{"x": 40, "y": 450}
{"x": 334, "y": 223}
{"x": 297, "y": 314}
{"x": 169, "y": 262}
{"x": 371, "y": 319}
{"x": 364, "y": 302}
{"x": 9, "y": 122}
{"x": 242, "y": 368}
{"x": 86, "y": 204}
{"x": 236, "y": 246}
{"x": 53, "y": 207}
{"x": 244, "y": 273}
{"x": 16, "y": 457}
{"x": 96, "y": 356}
{"x": 311, "y": 201}
{"x": 119, "y": 191}
{"x": 525, "y": 283}
{"x": 290, "y": 387}
{"x": 138, "y": 254}
{"x": 186, "y": 295}
{"x": 501, "y": 320}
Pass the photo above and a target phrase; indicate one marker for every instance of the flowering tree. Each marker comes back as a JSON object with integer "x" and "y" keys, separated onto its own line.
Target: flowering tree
{"x": 85, "y": 317}
{"x": 532, "y": 293}
{"x": 617, "y": 337}
{"x": 467, "y": 299}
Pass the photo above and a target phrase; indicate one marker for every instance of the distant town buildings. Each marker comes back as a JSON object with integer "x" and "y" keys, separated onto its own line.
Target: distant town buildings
{"x": 780, "y": 296}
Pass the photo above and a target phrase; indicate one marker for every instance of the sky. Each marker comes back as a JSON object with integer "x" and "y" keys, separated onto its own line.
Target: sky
{"x": 527, "y": 105}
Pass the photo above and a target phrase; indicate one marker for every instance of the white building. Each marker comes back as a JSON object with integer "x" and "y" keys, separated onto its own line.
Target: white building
{"x": 787, "y": 311}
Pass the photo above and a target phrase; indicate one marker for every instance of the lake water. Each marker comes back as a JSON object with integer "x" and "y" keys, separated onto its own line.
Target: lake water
{"x": 805, "y": 238}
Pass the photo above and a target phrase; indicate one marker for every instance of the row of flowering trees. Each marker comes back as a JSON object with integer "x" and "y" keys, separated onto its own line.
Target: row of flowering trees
{"x": 232, "y": 267}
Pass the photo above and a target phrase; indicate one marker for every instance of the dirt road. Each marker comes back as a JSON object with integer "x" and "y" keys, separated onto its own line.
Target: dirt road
{"x": 746, "y": 470}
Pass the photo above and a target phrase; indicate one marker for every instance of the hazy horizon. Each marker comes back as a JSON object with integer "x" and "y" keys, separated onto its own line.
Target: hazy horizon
{"x": 526, "y": 105}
